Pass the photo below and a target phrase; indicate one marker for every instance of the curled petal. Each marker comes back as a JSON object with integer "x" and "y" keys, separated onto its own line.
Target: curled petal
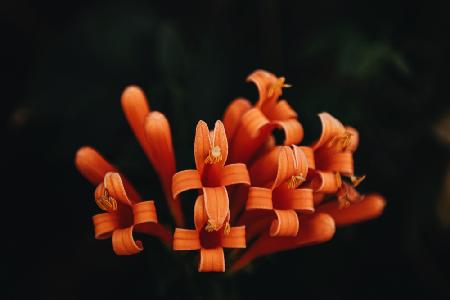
{"x": 114, "y": 185}
{"x": 309, "y": 153}
{"x": 264, "y": 81}
{"x": 234, "y": 174}
{"x": 144, "y": 212}
{"x": 235, "y": 238}
{"x": 135, "y": 108}
{"x": 281, "y": 111}
{"x": 301, "y": 200}
{"x": 219, "y": 139}
{"x": 124, "y": 243}
{"x": 161, "y": 154}
{"x": 335, "y": 161}
{"x": 285, "y": 224}
{"x": 326, "y": 182}
{"x": 317, "y": 228}
{"x": 186, "y": 239}
{"x": 286, "y": 166}
{"x": 264, "y": 170}
{"x": 105, "y": 224}
{"x": 293, "y": 131}
{"x": 216, "y": 205}
{"x": 211, "y": 260}
{"x": 233, "y": 115}
{"x": 259, "y": 198}
{"x": 370, "y": 207}
{"x": 202, "y": 145}
{"x": 200, "y": 216}
{"x": 184, "y": 181}
{"x": 331, "y": 127}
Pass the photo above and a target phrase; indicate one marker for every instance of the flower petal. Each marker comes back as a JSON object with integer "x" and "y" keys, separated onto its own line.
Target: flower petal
{"x": 317, "y": 228}
{"x": 263, "y": 81}
{"x": 293, "y": 131}
{"x": 93, "y": 166}
{"x": 325, "y": 182}
{"x": 202, "y": 145}
{"x": 211, "y": 260}
{"x": 370, "y": 207}
{"x": 250, "y": 136}
{"x": 234, "y": 174}
{"x": 184, "y": 181}
{"x": 281, "y": 111}
{"x": 200, "y": 216}
{"x": 144, "y": 212}
{"x": 309, "y": 153}
{"x": 233, "y": 115}
{"x": 216, "y": 205}
{"x": 301, "y": 200}
{"x": 186, "y": 239}
{"x": 285, "y": 224}
{"x": 161, "y": 154}
{"x": 259, "y": 198}
{"x": 114, "y": 185}
{"x": 124, "y": 243}
{"x": 105, "y": 224}
{"x": 135, "y": 107}
{"x": 235, "y": 238}
{"x": 331, "y": 127}
{"x": 334, "y": 161}
{"x": 220, "y": 140}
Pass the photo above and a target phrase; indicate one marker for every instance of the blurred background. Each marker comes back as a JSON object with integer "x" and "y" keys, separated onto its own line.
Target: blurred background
{"x": 381, "y": 66}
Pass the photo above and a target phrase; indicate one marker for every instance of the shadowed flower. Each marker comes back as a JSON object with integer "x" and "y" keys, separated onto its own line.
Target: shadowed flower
{"x": 248, "y": 128}
{"x": 212, "y": 175}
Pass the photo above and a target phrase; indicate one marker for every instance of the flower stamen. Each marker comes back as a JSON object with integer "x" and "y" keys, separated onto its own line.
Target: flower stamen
{"x": 214, "y": 156}
{"x": 106, "y": 202}
{"x": 227, "y": 228}
{"x": 295, "y": 181}
{"x": 277, "y": 87}
{"x": 356, "y": 180}
{"x": 210, "y": 226}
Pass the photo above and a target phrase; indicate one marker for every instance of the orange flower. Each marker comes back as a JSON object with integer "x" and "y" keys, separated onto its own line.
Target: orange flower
{"x": 210, "y": 243}
{"x": 274, "y": 194}
{"x": 154, "y": 135}
{"x": 124, "y": 213}
{"x": 330, "y": 159}
{"x": 212, "y": 175}
{"x": 248, "y": 128}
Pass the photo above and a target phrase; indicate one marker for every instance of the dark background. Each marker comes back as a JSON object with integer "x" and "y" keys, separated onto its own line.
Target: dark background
{"x": 381, "y": 66}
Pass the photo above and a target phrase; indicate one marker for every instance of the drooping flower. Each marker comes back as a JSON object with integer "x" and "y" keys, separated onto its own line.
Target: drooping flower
{"x": 249, "y": 127}
{"x": 210, "y": 243}
{"x": 125, "y": 212}
{"x": 212, "y": 176}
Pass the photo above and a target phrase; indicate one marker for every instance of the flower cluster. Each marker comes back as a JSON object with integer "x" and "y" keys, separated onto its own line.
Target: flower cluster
{"x": 253, "y": 194}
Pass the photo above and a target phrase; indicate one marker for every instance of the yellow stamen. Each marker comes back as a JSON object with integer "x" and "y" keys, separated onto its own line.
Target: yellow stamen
{"x": 342, "y": 140}
{"x": 295, "y": 180}
{"x": 106, "y": 202}
{"x": 277, "y": 87}
{"x": 356, "y": 180}
{"x": 214, "y": 156}
{"x": 227, "y": 228}
{"x": 338, "y": 178}
{"x": 343, "y": 201}
{"x": 211, "y": 226}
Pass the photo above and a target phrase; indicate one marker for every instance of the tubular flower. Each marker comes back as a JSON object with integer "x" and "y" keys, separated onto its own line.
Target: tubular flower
{"x": 274, "y": 194}
{"x": 123, "y": 214}
{"x": 210, "y": 243}
{"x": 248, "y": 128}
{"x": 331, "y": 161}
{"x": 281, "y": 197}
{"x": 212, "y": 175}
